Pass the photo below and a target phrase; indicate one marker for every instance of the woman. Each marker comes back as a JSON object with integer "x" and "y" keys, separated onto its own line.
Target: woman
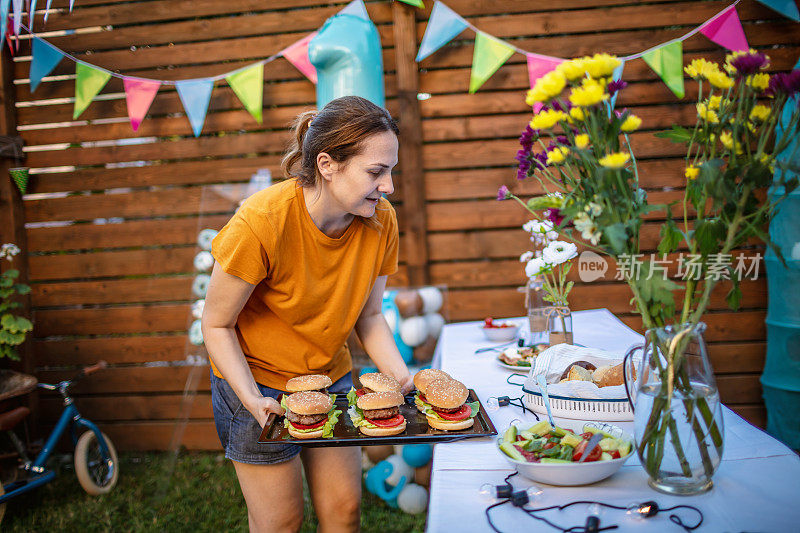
{"x": 298, "y": 267}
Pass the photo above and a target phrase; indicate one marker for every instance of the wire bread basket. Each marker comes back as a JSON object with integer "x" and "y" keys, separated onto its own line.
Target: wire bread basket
{"x": 579, "y": 408}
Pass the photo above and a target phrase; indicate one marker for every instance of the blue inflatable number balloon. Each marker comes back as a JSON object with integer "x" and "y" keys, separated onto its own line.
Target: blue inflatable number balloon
{"x": 347, "y": 55}
{"x": 375, "y": 481}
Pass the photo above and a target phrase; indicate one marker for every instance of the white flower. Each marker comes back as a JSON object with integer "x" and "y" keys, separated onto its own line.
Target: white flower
{"x": 594, "y": 209}
{"x": 530, "y": 226}
{"x": 588, "y": 228}
{"x": 9, "y": 250}
{"x": 527, "y": 256}
{"x": 536, "y": 266}
{"x": 558, "y": 252}
{"x": 551, "y": 236}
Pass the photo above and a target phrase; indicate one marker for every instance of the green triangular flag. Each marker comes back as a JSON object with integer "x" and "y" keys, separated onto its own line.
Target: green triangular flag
{"x": 88, "y": 82}
{"x": 248, "y": 84}
{"x": 415, "y": 3}
{"x": 667, "y": 62}
{"x": 20, "y": 176}
{"x": 489, "y": 55}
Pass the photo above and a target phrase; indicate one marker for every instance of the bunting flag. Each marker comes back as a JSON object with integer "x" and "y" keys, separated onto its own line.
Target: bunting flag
{"x": 297, "y": 55}
{"x": 32, "y": 14}
{"x": 415, "y": 3}
{"x": 667, "y": 62}
{"x": 17, "y": 15}
{"x": 47, "y": 10}
{"x": 539, "y": 65}
{"x": 787, "y": 8}
{"x": 5, "y": 7}
{"x": 357, "y": 8}
{"x": 88, "y": 82}
{"x": 615, "y": 76}
{"x": 195, "y": 95}
{"x": 139, "y": 94}
{"x": 489, "y": 55}
{"x": 44, "y": 59}
{"x": 726, "y": 30}
{"x": 248, "y": 84}
{"x": 443, "y": 25}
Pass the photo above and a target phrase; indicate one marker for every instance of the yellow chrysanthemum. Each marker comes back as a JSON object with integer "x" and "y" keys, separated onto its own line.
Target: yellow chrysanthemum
{"x": 535, "y": 95}
{"x": 602, "y": 65}
{"x": 759, "y": 81}
{"x": 631, "y": 123}
{"x": 574, "y": 69}
{"x": 765, "y": 158}
{"x": 557, "y": 155}
{"x": 701, "y": 68}
{"x": 577, "y": 114}
{"x": 547, "y": 87}
{"x": 615, "y": 160}
{"x": 720, "y": 80}
{"x": 581, "y": 141}
{"x": 547, "y": 119}
{"x": 752, "y": 127}
{"x": 726, "y": 139}
{"x": 759, "y": 113}
{"x": 706, "y": 114}
{"x": 691, "y": 172}
{"x": 714, "y": 102}
{"x": 588, "y": 95}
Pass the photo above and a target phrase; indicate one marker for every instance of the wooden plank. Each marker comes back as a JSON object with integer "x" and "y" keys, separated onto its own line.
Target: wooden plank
{"x": 146, "y": 436}
{"x": 108, "y": 264}
{"x": 739, "y": 389}
{"x": 133, "y": 319}
{"x": 130, "y": 408}
{"x": 114, "y": 350}
{"x": 723, "y": 326}
{"x": 755, "y": 414}
{"x": 144, "y": 290}
{"x": 133, "y": 379}
{"x": 735, "y": 357}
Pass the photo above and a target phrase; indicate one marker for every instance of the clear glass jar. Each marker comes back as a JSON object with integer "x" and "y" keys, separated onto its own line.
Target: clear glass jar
{"x": 537, "y": 307}
{"x": 560, "y": 325}
{"x": 678, "y": 417}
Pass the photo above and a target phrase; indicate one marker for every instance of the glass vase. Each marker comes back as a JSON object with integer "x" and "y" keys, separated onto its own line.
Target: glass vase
{"x": 559, "y": 325}
{"x": 537, "y": 307}
{"x": 678, "y": 418}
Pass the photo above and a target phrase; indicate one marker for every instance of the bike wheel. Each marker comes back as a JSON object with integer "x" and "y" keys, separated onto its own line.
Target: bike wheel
{"x": 95, "y": 475}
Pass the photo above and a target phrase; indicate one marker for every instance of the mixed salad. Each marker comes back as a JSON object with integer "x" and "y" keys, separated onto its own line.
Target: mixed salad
{"x": 522, "y": 357}
{"x": 544, "y": 443}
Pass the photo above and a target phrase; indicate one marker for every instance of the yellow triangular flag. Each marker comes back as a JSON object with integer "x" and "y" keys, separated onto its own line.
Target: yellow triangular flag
{"x": 489, "y": 55}
{"x": 248, "y": 84}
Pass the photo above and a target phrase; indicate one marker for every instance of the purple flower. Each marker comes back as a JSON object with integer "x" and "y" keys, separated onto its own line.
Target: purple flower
{"x": 562, "y": 140}
{"x": 749, "y": 63}
{"x": 540, "y": 159}
{"x": 526, "y": 139}
{"x": 554, "y": 215}
{"x": 784, "y": 83}
{"x": 616, "y": 85}
{"x": 503, "y": 193}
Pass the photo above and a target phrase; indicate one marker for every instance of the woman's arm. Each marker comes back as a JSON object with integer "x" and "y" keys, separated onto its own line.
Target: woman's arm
{"x": 225, "y": 299}
{"x": 377, "y": 338}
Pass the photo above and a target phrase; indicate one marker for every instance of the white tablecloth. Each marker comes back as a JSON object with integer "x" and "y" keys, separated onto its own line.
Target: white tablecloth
{"x": 757, "y": 487}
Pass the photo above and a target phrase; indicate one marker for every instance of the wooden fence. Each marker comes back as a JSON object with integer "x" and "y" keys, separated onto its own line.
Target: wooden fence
{"x": 112, "y": 215}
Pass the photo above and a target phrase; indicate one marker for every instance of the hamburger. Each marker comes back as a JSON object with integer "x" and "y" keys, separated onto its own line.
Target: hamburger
{"x": 377, "y": 414}
{"x": 421, "y": 381}
{"x": 311, "y": 382}
{"x": 309, "y": 415}
{"x": 448, "y": 410}
{"x": 373, "y": 382}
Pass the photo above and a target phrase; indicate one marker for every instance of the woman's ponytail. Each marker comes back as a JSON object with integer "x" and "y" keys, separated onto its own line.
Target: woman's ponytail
{"x": 294, "y": 154}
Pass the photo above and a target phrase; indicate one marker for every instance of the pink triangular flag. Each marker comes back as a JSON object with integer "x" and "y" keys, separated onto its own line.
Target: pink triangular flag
{"x": 139, "y": 94}
{"x": 538, "y": 66}
{"x": 297, "y": 55}
{"x": 726, "y": 30}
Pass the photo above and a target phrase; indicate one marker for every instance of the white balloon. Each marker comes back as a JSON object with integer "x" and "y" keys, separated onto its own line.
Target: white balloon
{"x": 432, "y": 299}
{"x": 414, "y": 331}
{"x": 413, "y": 499}
{"x": 399, "y": 469}
{"x": 435, "y": 323}
{"x": 197, "y": 308}
{"x": 196, "y": 333}
{"x": 205, "y": 237}
{"x": 391, "y": 318}
{"x": 203, "y": 261}
{"x": 200, "y": 285}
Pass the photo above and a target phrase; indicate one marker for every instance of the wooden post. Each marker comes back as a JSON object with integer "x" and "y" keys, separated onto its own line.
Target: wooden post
{"x": 414, "y": 224}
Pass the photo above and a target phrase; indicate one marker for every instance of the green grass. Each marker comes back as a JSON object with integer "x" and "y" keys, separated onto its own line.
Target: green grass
{"x": 201, "y": 495}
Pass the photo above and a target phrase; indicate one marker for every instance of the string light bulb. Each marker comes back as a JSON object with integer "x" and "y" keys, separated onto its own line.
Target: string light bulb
{"x": 523, "y": 497}
{"x": 642, "y": 511}
{"x": 489, "y": 491}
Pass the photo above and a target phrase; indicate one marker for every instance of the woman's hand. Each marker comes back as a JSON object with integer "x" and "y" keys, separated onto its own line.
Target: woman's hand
{"x": 407, "y": 384}
{"x": 262, "y": 408}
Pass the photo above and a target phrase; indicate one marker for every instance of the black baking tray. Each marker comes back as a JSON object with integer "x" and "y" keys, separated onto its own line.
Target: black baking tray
{"x": 417, "y": 429}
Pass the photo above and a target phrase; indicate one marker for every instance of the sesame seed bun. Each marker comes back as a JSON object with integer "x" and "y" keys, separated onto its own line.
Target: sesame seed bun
{"x": 383, "y": 432}
{"x": 309, "y": 382}
{"x": 309, "y": 403}
{"x": 446, "y": 425}
{"x": 379, "y": 382}
{"x": 426, "y": 375}
{"x": 380, "y": 400}
{"x": 446, "y": 393}
{"x": 308, "y": 435}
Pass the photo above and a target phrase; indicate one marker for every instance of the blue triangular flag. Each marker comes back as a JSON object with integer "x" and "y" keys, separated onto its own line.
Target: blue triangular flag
{"x": 787, "y": 8}
{"x": 44, "y": 60}
{"x": 17, "y": 16}
{"x": 443, "y": 25}
{"x": 5, "y": 6}
{"x": 786, "y": 117}
{"x": 357, "y": 8}
{"x": 616, "y": 76}
{"x": 195, "y": 95}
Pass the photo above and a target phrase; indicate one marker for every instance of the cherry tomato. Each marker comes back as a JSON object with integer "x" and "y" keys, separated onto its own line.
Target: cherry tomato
{"x": 549, "y": 445}
{"x": 487, "y": 322}
{"x": 594, "y": 456}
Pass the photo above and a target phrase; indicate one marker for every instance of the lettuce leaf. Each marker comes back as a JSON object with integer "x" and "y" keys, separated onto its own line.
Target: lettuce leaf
{"x": 327, "y": 428}
{"x": 352, "y": 397}
{"x": 357, "y": 417}
{"x": 425, "y": 406}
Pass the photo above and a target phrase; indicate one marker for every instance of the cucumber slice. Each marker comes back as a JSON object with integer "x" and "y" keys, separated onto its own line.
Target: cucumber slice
{"x": 549, "y": 460}
{"x": 511, "y": 434}
{"x": 511, "y": 451}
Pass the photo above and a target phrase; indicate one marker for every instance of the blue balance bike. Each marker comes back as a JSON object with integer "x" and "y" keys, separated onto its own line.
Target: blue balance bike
{"x": 96, "y": 464}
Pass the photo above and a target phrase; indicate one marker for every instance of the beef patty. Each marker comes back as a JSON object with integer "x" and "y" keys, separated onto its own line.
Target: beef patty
{"x": 306, "y": 420}
{"x": 443, "y": 410}
{"x": 389, "y": 412}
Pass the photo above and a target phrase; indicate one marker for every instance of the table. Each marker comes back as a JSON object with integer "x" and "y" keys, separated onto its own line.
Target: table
{"x": 757, "y": 486}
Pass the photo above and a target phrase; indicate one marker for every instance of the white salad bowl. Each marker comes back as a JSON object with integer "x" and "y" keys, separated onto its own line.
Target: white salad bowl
{"x": 570, "y": 474}
{"x": 501, "y": 334}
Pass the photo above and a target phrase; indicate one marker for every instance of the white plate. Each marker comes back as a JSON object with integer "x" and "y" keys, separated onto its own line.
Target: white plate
{"x": 521, "y": 369}
{"x": 574, "y": 473}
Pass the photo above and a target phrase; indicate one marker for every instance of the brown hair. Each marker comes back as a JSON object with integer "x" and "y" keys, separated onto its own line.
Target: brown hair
{"x": 337, "y": 130}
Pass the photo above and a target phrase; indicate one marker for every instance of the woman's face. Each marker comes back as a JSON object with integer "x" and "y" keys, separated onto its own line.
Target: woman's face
{"x": 356, "y": 185}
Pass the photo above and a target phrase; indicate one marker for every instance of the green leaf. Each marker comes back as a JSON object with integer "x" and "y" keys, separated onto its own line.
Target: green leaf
{"x": 10, "y": 338}
{"x": 21, "y": 288}
{"x": 734, "y": 296}
{"x": 677, "y": 134}
{"x": 616, "y": 236}
{"x": 670, "y": 237}
{"x": 15, "y": 324}
{"x": 708, "y": 234}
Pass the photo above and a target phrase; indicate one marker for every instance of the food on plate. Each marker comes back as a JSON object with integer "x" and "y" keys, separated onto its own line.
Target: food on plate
{"x": 522, "y": 357}
{"x": 309, "y": 415}
{"x": 377, "y": 414}
{"x": 447, "y": 410}
{"x": 373, "y": 382}
{"x": 604, "y": 376}
{"x": 421, "y": 381}
{"x": 489, "y": 322}
{"x": 543, "y": 443}
{"x": 310, "y": 382}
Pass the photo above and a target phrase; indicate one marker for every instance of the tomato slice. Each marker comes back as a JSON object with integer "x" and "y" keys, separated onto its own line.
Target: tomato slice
{"x": 462, "y": 414}
{"x": 305, "y": 426}
{"x": 360, "y": 392}
{"x": 422, "y": 398}
{"x": 396, "y": 420}
{"x": 581, "y": 448}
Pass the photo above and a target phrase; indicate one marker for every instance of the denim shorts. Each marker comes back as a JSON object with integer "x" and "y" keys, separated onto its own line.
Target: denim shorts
{"x": 239, "y": 431}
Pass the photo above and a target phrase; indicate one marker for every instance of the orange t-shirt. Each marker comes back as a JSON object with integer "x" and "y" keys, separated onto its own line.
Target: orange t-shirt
{"x": 310, "y": 288}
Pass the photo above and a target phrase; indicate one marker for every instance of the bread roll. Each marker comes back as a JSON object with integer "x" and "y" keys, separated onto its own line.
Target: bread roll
{"x": 608, "y": 376}
{"x": 578, "y": 373}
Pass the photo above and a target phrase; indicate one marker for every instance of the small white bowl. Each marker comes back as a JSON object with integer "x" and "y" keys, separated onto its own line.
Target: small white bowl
{"x": 568, "y": 474}
{"x": 501, "y": 334}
